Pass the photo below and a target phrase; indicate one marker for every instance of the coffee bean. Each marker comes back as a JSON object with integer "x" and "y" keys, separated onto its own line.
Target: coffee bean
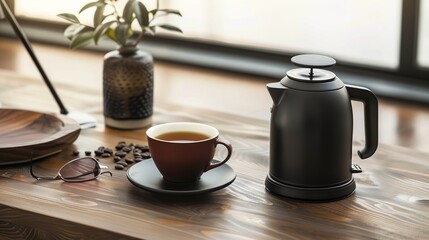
{"x": 126, "y": 149}
{"x": 129, "y": 160}
{"x": 122, "y": 163}
{"x": 139, "y": 152}
{"x": 145, "y": 148}
{"x": 146, "y": 155}
{"x": 98, "y": 153}
{"x": 108, "y": 150}
{"x": 139, "y": 146}
{"x": 120, "y": 154}
{"x": 119, "y": 167}
{"x": 121, "y": 144}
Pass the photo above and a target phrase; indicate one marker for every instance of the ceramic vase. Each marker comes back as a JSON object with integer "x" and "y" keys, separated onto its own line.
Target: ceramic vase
{"x": 128, "y": 88}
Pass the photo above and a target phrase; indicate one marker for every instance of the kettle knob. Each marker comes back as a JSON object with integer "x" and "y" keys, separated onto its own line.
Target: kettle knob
{"x": 313, "y": 61}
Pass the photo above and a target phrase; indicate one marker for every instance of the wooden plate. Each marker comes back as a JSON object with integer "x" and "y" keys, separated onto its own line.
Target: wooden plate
{"x": 28, "y": 134}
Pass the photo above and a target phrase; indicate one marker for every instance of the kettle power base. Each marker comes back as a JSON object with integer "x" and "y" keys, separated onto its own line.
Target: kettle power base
{"x": 311, "y": 194}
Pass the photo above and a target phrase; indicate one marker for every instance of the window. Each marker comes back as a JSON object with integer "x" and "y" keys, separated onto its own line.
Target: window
{"x": 365, "y": 32}
{"x": 423, "y": 39}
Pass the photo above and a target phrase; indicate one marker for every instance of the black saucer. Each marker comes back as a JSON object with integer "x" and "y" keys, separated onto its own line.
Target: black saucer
{"x": 145, "y": 175}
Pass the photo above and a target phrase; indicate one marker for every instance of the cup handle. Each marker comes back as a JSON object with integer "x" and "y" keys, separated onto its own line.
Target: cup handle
{"x": 215, "y": 165}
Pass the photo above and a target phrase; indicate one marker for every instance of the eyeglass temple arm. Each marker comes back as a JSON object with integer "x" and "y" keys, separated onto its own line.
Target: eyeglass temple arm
{"x": 83, "y": 174}
{"x": 104, "y": 167}
{"x": 109, "y": 172}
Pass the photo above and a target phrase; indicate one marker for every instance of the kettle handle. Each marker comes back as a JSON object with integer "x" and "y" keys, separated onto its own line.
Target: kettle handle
{"x": 371, "y": 118}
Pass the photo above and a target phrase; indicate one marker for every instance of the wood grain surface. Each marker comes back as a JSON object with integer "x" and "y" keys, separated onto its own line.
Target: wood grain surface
{"x": 391, "y": 200}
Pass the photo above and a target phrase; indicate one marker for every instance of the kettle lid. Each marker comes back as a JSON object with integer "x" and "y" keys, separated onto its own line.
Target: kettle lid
{"x": 310, "y": 77}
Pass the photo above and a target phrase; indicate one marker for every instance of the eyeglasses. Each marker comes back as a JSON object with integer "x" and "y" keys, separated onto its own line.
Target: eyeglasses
{"x": 76, "y": 170}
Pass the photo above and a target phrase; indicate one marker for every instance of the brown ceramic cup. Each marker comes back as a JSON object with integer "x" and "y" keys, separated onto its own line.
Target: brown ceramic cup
{"x": 184, "y": 160}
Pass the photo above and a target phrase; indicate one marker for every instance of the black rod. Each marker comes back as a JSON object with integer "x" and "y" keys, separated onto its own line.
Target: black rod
{"x": 409, "y": 35}
{"x": 20, "y": 33}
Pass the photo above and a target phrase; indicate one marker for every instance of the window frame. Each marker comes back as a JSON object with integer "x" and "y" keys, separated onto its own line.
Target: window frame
{"x": 408, "y": 65}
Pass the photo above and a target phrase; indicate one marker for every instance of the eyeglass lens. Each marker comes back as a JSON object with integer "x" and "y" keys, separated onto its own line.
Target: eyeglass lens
{"x": 81, "y": 169}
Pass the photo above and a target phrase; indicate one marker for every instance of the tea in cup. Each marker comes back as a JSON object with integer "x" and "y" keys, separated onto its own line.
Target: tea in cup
{"x": 183, "y": 151}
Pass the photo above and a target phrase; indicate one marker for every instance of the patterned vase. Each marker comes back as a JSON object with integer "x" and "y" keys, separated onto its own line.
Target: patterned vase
{"x": 128, "y": 88}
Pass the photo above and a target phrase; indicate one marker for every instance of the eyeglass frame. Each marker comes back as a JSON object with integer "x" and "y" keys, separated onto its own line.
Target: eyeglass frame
{"x": 59, "y": 177}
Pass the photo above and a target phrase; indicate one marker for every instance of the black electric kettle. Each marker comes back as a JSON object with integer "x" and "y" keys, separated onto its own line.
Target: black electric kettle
{"x": 311, "y": 131}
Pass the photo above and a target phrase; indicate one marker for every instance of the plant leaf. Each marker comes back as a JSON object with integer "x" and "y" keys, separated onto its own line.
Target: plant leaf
{"x": 170, "y": 11}
{"x": 73, "y": 30}
{"x": 110, "y": 33}
{"x": 91, "y": 4}
{"x": 121, "y": 32}
{"x": 99, "y": 15}
{"x": 82, "y": 39}
{"x": 101, "y": 29}
{"x": 153, "y": 11}
{"x": 69, "y": 17}
{"x": 150, "y": 30}
{"x": 129, "y": 10}
{"x": 169, "y": 27}
{"x": 142, "y": 14}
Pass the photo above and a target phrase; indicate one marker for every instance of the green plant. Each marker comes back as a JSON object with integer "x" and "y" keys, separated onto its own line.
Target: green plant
{"x": 107, "y": 21}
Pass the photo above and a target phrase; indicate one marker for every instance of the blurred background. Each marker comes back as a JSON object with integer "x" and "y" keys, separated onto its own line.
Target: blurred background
{"x": 366, "y": 32}
{"x": 259, "y": 37}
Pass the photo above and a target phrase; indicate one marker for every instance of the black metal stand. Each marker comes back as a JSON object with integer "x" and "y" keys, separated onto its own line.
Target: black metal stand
{"x": 20, "y": 33}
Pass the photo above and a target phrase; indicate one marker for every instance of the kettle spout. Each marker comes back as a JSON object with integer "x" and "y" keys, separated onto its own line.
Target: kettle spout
{"x": 277, "y": 91}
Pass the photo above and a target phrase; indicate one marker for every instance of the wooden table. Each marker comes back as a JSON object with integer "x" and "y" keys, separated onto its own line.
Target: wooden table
{"x": 391, "y": 200}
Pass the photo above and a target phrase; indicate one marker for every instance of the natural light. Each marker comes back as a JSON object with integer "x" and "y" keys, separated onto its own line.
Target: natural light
{"x": 423, "y": 44}
{"x": 349, "y": 30}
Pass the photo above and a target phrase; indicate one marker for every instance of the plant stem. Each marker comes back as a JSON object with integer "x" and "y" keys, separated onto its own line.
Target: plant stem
{"x": 139, "y": 38}
{"x": 115, "y": 11}
{"x": 142, "y": 33}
